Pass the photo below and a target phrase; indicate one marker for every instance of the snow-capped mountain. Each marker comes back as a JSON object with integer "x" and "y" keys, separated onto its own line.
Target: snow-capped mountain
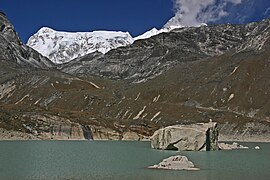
{"x": 147, "y": 34}
{"x": 154, "y": 32}
{"x": 174, "y": 23}
{"x": 61, "y": 47}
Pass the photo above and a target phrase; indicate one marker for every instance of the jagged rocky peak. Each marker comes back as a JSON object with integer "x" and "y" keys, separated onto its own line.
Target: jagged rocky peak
{"x": 13, "y": 50}
{"x": 61, "y": 47}
{"x": 7, "y": 29}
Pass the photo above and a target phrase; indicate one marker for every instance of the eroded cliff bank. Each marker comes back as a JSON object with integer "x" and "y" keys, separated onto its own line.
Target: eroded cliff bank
{"x": 55, "y": 128}
{"x": 50, "y": 127}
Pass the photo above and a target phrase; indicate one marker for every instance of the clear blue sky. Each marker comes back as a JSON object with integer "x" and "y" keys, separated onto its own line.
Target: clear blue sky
{"x": 135, "y": 16}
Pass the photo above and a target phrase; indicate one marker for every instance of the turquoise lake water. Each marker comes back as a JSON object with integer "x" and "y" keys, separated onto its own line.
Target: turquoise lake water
{"x": 124, "y": 160}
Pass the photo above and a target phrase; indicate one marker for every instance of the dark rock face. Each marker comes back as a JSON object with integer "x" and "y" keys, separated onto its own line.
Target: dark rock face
{"x": 7, "y": 30}
{"x": 146, "y": 59}
{"x": 12, "y": 48}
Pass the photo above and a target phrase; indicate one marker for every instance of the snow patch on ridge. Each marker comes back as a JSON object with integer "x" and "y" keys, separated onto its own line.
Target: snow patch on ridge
{"x": 174, "y": 23}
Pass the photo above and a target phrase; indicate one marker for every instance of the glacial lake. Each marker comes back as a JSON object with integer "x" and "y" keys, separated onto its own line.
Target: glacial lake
{"x": 124, "y": 160}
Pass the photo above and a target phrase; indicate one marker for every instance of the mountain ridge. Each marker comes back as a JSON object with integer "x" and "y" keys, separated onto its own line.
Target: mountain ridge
{"x": 152, "y": 56}
{"x": 185, "y": 76}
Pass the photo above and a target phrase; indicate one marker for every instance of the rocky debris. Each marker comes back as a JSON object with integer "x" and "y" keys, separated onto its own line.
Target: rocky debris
{"x": 130, "y": 136}
{"x": 193, "y": 137}
{"x": 49, "y": 127}
{"x": 64, "y": 132}
{"x": 257, "y": 147}
{"x": 175, "y": 163}
{"x": 233, "y": 146}
{"x": 15, "y": 135}
{"x": 247, "y": 132}
{"x": 103, "y": 133}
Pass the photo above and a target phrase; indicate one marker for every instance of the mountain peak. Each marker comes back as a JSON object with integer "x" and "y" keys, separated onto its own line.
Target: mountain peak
{"x": 13, "y": 50}
{"x": 178, "y": 22}
{"x": 174, "y": 23}
{"x": 147, "y": 34}
{"x": 7, "y": 29}
{"x": 61, "y": 47}
{"x": 45, "y": 30}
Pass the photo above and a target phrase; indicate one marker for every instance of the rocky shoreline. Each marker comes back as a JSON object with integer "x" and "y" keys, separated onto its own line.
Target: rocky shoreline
{"x": 9, "y": 135}
{"x": 257, "y": 138}
{"x": 15, "y": 135}
{"x": 93, "y": 133}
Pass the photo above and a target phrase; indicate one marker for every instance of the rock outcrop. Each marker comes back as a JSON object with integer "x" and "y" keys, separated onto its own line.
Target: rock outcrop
{"x": 102, "y": 133}
{"x": 50, "y": 127}
{"x": 15, "y": 135}
{"x": 13, "y": 50}
{"x": 194, "y": 137}
{"x": 233, "y": 146}
{"x": 130, "y": 136}
{"x": 175, "y": 163}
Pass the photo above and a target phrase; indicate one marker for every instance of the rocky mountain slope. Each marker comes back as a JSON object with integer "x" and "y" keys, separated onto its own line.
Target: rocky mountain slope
{"x": 61, "y": 47}
{"x": 147, "y": 59}
{"x": 189, "y": 75}
{"x": 13, "y": 50}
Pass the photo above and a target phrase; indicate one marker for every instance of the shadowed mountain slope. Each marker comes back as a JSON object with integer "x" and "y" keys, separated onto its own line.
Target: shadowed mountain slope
{"x": 13, "y": 50}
